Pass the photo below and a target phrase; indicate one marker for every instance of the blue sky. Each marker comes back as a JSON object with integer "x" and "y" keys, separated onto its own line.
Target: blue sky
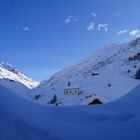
{"x": 40, "y": 37}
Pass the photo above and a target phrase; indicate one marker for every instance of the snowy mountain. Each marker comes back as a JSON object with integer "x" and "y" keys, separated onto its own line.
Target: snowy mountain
{"x": 15, "y": 80}
{"x": 23, "y": 120}
{"x": 107, "y": 74}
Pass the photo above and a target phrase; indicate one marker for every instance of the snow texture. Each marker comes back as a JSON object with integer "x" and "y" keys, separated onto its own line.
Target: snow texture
{"x": 107, "y": 74}
{"x": 117, "y": 120}
{"x": 8, "y": 72}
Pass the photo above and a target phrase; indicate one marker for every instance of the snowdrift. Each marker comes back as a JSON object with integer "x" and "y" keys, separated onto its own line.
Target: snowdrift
{"x": 21, "y": 119}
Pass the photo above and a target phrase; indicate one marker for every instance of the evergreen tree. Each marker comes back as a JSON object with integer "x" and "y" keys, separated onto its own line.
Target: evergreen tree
{"x": 54, "y": 99}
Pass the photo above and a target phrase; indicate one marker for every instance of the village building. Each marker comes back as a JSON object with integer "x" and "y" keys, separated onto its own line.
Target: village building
{"x": 72, "y": 90}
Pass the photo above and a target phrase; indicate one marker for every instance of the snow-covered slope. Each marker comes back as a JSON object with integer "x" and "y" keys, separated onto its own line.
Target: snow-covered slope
{"x": 8, "y": 72}
{"x": 21, "y": 119}
{"x": 108, "y": 74}
{"x": 16, "y": 115}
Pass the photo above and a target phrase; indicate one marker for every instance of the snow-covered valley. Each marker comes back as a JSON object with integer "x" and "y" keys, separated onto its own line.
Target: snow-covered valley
{"x": 107, "y": 74}
{"x": 69, "y": 70}
{"x": 111, "y": 75}
{"x": 20, "y": 119}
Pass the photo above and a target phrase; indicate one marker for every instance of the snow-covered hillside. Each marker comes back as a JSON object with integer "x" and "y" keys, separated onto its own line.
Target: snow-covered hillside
{"x": 107, "y": 74}
{"x": 16, "y": 81}
{"x": 9, "y": 73}
{"x": 23, "y": 120}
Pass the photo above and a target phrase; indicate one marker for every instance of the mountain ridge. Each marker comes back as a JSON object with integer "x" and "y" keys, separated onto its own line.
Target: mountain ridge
{"x": 107, "y": 66}
{"x": 7, "y": 71}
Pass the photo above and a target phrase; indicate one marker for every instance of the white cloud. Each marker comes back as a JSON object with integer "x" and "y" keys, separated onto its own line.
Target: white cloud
{"x": 71, "y": 19}
{"x": 135, "y": 33}
{"x": 26, "y": 28}
{"x": 68, "y": 20}
{"x": 106, "y": 29}
{"x": 103, "y": 27}
{"x": 93, "y": 14}
{"x": 122, "y": 32}
{"x": 91, "y": 27}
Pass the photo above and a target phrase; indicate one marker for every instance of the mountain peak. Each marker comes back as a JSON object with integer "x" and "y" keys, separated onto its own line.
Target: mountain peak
{"x": 7, "y": 71}
{"x": 8, "y": 67}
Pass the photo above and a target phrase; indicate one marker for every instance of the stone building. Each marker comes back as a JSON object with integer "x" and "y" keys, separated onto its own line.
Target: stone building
{"x": 72, "y": 91}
